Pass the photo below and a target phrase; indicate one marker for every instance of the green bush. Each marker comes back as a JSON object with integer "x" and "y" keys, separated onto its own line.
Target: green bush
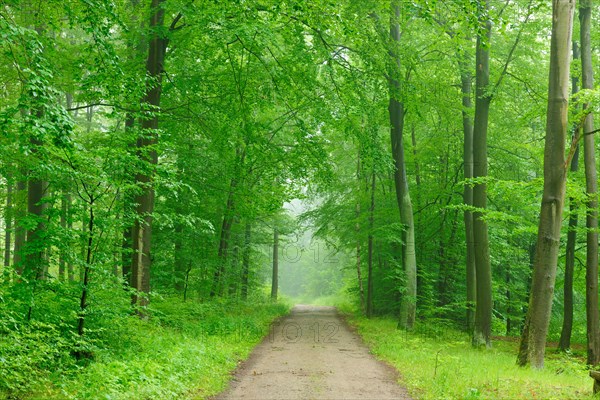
{"x": 181, "y": 350}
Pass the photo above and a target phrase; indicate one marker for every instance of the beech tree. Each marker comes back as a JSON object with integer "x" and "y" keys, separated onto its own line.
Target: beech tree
{"x": 483, "y": 96}
{"x": 533, "y": 339}
{"x": 591, "y": 185}
{"x": 567, "y": 326}
{"x": 396, "y": 112}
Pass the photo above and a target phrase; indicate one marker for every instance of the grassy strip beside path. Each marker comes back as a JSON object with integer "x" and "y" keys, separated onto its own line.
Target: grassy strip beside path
{"x": 440, "y": 363}
{"x": 185, "y": 350}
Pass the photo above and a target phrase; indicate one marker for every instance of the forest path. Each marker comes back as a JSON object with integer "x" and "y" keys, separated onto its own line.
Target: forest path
{"x": 312, "y": 354}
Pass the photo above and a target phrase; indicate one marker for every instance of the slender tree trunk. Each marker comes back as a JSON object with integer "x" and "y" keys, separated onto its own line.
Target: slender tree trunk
{"x": 70, "y": 266}
{"x": 591, "y": 185}
{"x": 86, "y": 272}
{"x": 20, "y": 233}
{"x": 187, "y": 280}
{"x": 417, "y": 217}
{"x": 35, "y": 195}
{"x": 179, "y": 266}
{"x": 396, "y": 112}
{"x": 8, "y": 222}
{"x": 466, "y": 85}
{"x": 275, "y": 275}
{"x": 142, "y": 230}
{"x": 47, "y": 250}
{"x": 246, "y": 260}
{"x": 533, "y": 340}
{"x": 224, "y": 241}
{"x": 135, "y": 48}
{"x": 361, "y": 291}
{"x": 370, "y": 250}
{"x": 482, "y": 330}
{"x": 508, "y": 301}
{"x": 567, "y": 327}
{"x": 234, "y": 271}
{"x": 127, "y": 234}
{"x": 63, "y": 225}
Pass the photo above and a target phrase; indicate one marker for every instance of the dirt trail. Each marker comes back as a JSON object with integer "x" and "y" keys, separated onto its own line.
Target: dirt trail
{"x": 311, "y": 354}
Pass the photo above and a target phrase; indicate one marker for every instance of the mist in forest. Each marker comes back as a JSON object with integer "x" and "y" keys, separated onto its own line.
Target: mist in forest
{"x": 309, "y": 268}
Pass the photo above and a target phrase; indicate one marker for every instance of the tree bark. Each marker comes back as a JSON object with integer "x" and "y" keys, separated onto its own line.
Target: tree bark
{"x": 142, "y": 230}
{"x": 591, "y": 185}
{"x": 234, "y": 271}
{"x": 508, "y": 301}
{"x": 567, "y": 326}
{"x": 482, "y": 330}
{"x": 33, "y": 268}
{"x": 20, "y": 193}
{"x": 466, "y": 85}
{"x": 70, "y": 266}
{"x": 361, "y": 291}
{"x": 533, "y": 340}
{"x": 179, "y": 265}
{"x": 275, "y": 275}
{"x": 135, "y": 48}
{"x": 396, "y": 112}
{"x": 86, "y": 271}
{"x": 127, "y": 234}
{"x": 224, "y": 241}
{"x": 63, "y": 225}
{"x": 370, "y": 249}
{"x": 246, "y": 260}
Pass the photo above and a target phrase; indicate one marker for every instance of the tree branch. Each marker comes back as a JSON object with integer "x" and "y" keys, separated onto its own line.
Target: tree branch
{"x": 513, "y": 48}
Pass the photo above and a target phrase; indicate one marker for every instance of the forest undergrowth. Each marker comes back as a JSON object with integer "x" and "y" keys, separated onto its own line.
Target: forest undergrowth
{"x": 183, "y": 350}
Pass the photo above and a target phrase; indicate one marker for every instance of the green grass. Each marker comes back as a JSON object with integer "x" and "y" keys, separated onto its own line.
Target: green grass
{"x": 185, "y": 350}
{"x": 441, "y": 364}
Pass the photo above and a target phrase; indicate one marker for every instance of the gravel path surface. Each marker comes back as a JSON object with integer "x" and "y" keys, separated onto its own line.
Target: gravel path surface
{"x": 311, "y": 354}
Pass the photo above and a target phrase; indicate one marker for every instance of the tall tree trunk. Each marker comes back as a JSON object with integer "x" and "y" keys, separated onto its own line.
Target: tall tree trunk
{"x": 466, "y": 85}
{"x": 135, "y": 48}
{"x": 533, "y": 340}
{"x": 591, "y": 185}
{"x": 567, "y": 326}
{"x": 246, "y": 260}
{"x": 127, "y": 234}
{"x": 396, "y": 111}
{"x": 482, "y": 329}
{"x": 142, "y": 230}
{"x": 275, "y": 275}
{"x": 361, "y": 291}
{"x": 8, "y": 221}
{"x": 370, "y": 249}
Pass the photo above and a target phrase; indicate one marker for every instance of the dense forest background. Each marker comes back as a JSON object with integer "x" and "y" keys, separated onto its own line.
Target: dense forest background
{"x": 159, "y": 153}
